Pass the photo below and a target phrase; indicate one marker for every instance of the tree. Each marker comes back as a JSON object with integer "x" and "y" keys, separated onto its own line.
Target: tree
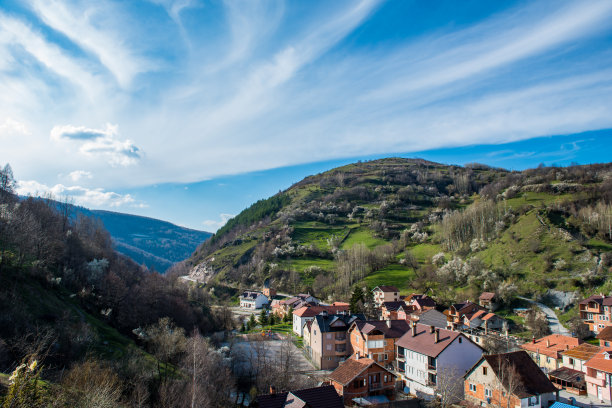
{"x": 92, "y": 385}
{"x": 536, "y": 321}
{"x": 578, "y": 328}
{"x": 7, "y": 180}
{"x": 263, "y": 317}
{"x": 272, "y": 320}
{"x": 288, "y": 316}
{"x": 449, "y": 386}
{"x": 167, "y": 343}
{"x": 357, "y": 300}
{"x": 25, "y": 388}
{"x": 252, "y": 323}
{"x": 508, "y": 382}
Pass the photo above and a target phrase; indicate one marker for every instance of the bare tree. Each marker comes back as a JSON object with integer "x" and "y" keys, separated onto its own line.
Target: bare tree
{"x": 508, "y": 382}
{"x": 449, "y": 386}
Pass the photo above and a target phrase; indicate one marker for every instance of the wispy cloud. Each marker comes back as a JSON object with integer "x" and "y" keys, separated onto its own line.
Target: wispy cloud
{"x": 79, "y": 175}
{"x": 99, "y": 142}
{"x": 214, "y": 225}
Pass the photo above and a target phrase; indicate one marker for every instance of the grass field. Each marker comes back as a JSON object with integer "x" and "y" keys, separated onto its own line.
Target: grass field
{"x": 394, "y": 274}
{"x": 362, "y": 235}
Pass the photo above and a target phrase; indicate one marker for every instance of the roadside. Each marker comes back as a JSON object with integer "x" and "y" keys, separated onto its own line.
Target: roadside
{"x": 553, "y": 322}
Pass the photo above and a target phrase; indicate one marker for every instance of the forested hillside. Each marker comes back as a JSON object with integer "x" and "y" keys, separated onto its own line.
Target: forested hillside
{"x": 447, "y": 230}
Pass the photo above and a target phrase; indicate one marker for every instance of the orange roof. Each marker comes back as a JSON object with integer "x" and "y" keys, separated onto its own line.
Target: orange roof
{"x": 584, "y": 352}
{"x": 599, "y": 361}
{"x": 552, "y": 345}
{"x": 340, "y": 304}
{"x": 311, "y": 311}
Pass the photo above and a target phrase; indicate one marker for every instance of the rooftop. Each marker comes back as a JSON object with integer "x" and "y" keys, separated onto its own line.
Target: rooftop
{"x": 386, "y": 288}
{"x": 311, "y": 310}
{"x": 602, "y": 361}
{"x": 397, "y": 329}
{"x": 423, "y": 341}
{"x": 584, "y": 352}
{"x": 317, "y": 397}
{"x": 552, "y": 345}
{"x": 605, "y": 334}
{"x": 601, "y": 299}
{"x": 352, "y": 368}
{"x": 487, "y": 296}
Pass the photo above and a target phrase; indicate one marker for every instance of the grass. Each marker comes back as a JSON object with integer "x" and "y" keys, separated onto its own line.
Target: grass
{"x": 318, "y": 236}
{"x": 394, "y": 274}
{"x": 362, "y": 235}
{"x": 424, "y": 252}
{"x": 282, "y": 328}
{"x": 598, "y": 245}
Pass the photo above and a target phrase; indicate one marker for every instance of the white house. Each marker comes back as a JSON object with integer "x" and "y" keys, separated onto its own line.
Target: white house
{"x": 426, "y": 353}
{"x": 253, "y": 300}
{"x": 384, "y": 293}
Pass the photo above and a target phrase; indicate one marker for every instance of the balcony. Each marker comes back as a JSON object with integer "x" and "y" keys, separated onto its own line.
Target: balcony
{"x": 375, "y": 386}
{"x": 341, "y": 337}
{"x": 431, "y": 367}
{"x": 596, "y": 381}
{"x": 340, "y": 349}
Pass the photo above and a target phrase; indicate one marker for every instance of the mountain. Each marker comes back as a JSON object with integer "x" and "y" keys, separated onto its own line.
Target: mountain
{"x": 422, "y": 226}
{"x": 157, "y": 244}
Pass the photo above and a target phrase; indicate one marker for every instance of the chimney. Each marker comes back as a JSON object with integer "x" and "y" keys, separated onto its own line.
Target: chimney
{"x": 436, "y": 335}
{"x": 272, "y": 389}
{"x": 547, "y": 343}
{"x": 357, "y": 355}
{"x": 431, "y": 329}
{"x": 413, "y": 328}
{"x": 533, "y": 340}
{"x": 388, "y": 323}
{"x": 567, "y": 346}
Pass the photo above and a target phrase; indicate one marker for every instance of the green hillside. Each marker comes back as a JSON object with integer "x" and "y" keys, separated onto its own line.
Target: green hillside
{"x": 382, "y": 222}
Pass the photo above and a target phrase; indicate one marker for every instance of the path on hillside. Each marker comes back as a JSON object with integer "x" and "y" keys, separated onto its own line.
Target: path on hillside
{"x": 551, "y": 317}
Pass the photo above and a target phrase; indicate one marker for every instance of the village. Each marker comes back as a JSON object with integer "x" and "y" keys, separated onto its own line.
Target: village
{"x": 414, "y": 351}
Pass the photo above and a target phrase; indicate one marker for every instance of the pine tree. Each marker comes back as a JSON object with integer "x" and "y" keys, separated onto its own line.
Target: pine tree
{"x": 288, "y": 316}
{"x": 263, "y": 318}
{"x": 357, "y": 300}
{"x": 252, "y": 323}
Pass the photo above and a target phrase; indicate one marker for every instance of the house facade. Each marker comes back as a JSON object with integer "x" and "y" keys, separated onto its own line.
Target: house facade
{"x": 385, "y": 293}
{"x": 571, "y": 375}
{"x": 375, "y": 339}
{"x": 282, "y": 307}
{"x": 456, "y": 313}
{"x": 253, "y": 300}
{"x": 599, "y": 376}
{"x": 308, "y": 313}
{"x": 328, "y": 341}
{"x": 596, "y": 312}
{"x": 605, "y": 337}
{"x": 509, "y": 379}
{"x": 488, "y": 300}
{"x": 389, "y": 310}
{"x": 546, "y": 352}
{"x": 361, "y": 378}
{"x": 425, "y": 352}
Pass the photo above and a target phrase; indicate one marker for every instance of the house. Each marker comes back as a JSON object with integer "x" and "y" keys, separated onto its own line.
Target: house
{"x": 328, "y": 342}
{"x": 455, "y": 313}
{"x": 375, "y": 339}
{"x": 318, "y": 397}
{"x": 430, "y": 317}
{"x": 426, "y": 352}
{"x": 570, "y": 376}
{"x": 362, "y": 378}
{"x": 488, "y": 300}
{"x": 599, "y": 376}
{"x": 546, "y": 352}
{"x": 282, "y": 307}
{"x": 253, "y": 300}
{"x": 483, "y": 319}
{"x": 385, "y": 293}
{"x": 389, "y": 309}
{"x": 308, "y": 312}
{"x": 605, "y": 337}
{"x": 509, "y": 379}
{"x": 418, "y": 302}
{"x": 596, "y": 312}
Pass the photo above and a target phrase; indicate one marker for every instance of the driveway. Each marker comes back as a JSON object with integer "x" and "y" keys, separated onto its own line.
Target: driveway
{"x": 553, "y": 322}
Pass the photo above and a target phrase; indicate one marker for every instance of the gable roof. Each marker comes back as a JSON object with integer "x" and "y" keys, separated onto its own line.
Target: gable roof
{"x": 318, "y": 397}
{"x": 599, "y": 362}
{"x": 430, "y": 317}
{"x": 552, "y": 345}
{"x": 601, "y": 299}
{"x": 424, "y": 340}
{"x": 397, "y": 329}
{"x": 423, "y": 301}
{"x": 326, "y": 323}
{"x": 348, "y": 370}
{"x": 584, "y": 352}
{"x": 605, "y": 333}
{"x": 250, "y": 294}
{"x": 309, "y": 310}
{"x": 393, "y": 306}
{"x": 487, "y": 296}
{"x": 386, "y": 288}
{"x": 531, "y": 379}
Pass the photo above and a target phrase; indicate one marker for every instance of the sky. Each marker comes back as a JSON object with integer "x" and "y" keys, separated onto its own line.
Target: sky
{"x": 190, "y": 110}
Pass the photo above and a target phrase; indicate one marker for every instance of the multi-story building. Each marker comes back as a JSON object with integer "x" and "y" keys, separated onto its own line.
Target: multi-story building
{"x": 360, "y": 377}
{"x": 389, "y": 310}
{"x": 385, "y": 293}
{"x": 599, "y": 376}
{"x": 546, "y": 352}
{"x": 605, "y": 337}
{"x": 426, "y": 352}
{"x": 328, "y": 341}
{"x": 570, "y": 376}
{"x": 456, "y": 313}
{"x": 308, "y": 313}
{"x": 596, "y": 312}
{"x": 253, "y": 300}
{"x": 508, "y": 380}
{"x": 282, "y": 307}
{"x": 419, "y": 303}
{"x": 375, "y": 339}
{"x": 488, "y": 300}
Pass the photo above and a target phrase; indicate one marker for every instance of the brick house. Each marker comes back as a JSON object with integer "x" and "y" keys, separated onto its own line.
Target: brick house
{"x": 328, "y": 342}
{"x": 599, "y": 376}
{"x": 389, "y": 310}
{"x": 418, "y": 302}
{"x": 546, "y": 352}
{"x": 385, "y": 293}
{"x": 425, "y": 352}
{"x": 488, "y": 300}
{"x": 570, "y": 376}
{"x": 498, "y": 377}
{"x": 605, "y": 337}
{"x": 375, "y": 339}
{"x": 596, "y": 312}
{"x": 456, "y": 313}
{"x": 317, "y": 397}
{"x": 362, "y": 378}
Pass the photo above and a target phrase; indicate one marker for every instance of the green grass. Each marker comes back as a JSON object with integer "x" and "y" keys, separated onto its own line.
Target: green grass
{"x": 318, "y": 236}
{"x": 599, "y": 245}
{"x": 283, "y": 328}
{"x": 424, "y": 252}
{"x": 362, "y": 235}
{"x": 394, "y": 274}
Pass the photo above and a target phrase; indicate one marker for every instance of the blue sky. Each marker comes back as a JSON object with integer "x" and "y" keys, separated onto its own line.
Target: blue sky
{"x": 190, "y": 110}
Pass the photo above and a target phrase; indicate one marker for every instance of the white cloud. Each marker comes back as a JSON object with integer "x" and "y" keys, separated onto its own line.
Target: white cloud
{"x": 102, "y": 142}
{"x": 90, "y": 198}
{"x": 78, "y": 175}
{"x": 11, "y": 126}
{"x": 214, "y": 225}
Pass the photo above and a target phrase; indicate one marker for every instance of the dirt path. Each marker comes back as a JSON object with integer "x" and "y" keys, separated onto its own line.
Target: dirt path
{"x": 553, "y": 322}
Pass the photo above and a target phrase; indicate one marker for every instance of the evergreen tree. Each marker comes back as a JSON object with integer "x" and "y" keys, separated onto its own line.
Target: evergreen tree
{"x": 288, "y": 316}
{"x": 368, "y": 300}
{"x": 252, "y": 323}
{"x": 357, "y": 300}
{"x": 272, "y": 320}
{"x": 263, "y": 317}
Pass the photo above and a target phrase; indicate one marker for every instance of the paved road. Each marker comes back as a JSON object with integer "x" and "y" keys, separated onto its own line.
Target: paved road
{"x": 551, "y": 317}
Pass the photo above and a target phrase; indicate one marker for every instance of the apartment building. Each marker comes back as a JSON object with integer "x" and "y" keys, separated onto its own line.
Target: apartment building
{"x": 596, "y": 312}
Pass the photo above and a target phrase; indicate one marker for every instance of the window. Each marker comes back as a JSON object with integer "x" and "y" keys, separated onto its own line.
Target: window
{"x": 484, "y": 370}
{"x": 607, "y": 343}
{"x": 329, "y": 336}
{"x": 534, "y": 400}
{"x": 488, "y": 392}
{"x": 460, "y": 339}
{"x": 315, "y": 332}
{"x": 571, "y": 361}
{"x": 386, "y": 357}
{"x": 376, "y": 343}
{"x": 472, "y": 387}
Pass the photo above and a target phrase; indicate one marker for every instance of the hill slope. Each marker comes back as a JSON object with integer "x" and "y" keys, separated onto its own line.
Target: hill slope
{"x": 421, "y": 226}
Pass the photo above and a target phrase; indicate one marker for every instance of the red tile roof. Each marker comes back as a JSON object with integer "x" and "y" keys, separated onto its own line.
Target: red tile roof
{"x": 605, "y": 334}
{"x": 487, "y": 296}
{"x": 600, "y": 362}
{"x": 601, "y": 299}
{"x": 552, "y": 345}
{"x": 424, "y": 340}
{"x": 311, "y": 311}
{"x": 351, "y": 368}
{"x": 583, "y": 352}
{"x": 397, "y": 329}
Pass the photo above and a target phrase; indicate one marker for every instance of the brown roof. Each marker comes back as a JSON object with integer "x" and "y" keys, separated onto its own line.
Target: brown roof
{"x": 424, "y": 340}
{"x": 601, "y": 299}
{"x": 397, "y": 329}
{"x": 584, "y": 352}
{"x": 605, "y": 333}
{"x": 599, "y": 362}
{"x": 531, "y": 379}
{"x": 351, "y": 368}
{"x": 318, "y": 397}
{"x": 386, "y": 288}
{"x": 393, "y": 306}
{"x": 487, "y": 296}
{"x": 423, "y": 301}
{"x": 552, "y": 345}
{"x": 574, "y": 377}
{"x": 478, "y": 314}
{"x": 311, "y": 311}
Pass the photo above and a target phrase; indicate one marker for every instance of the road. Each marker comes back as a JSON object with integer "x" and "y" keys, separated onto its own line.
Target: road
{"x": 551, "y": 317}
